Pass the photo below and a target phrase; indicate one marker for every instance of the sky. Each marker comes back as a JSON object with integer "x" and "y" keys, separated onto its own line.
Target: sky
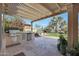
{"x": 45, "y": 22}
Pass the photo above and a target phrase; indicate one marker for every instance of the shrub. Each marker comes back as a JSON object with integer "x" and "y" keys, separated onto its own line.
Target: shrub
{"x": 62, "y": 45}
{"x": 74, "y": 51}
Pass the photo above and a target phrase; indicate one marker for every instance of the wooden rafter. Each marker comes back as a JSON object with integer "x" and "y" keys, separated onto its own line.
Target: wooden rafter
{"x": 21, "y": 15}
{"x": 58, "y": 6}
{"x": 24, "y": 9}
{"x": 56, "y": 12}
{"x": 39, "y": 8}
{"x": 34, "y": 11}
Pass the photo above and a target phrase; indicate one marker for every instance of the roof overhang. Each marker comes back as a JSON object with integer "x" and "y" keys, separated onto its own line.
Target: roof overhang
{"x": 34, "y": 11}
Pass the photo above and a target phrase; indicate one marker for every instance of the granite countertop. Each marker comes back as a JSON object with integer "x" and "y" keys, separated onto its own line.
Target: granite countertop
{"x": 23, "y": 32}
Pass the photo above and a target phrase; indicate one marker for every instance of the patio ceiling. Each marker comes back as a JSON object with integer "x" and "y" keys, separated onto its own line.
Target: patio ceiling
{"x": 35, "y": 11}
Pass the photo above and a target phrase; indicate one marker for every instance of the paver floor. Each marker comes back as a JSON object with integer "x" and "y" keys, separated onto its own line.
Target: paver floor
{"x": 40, "y": 46}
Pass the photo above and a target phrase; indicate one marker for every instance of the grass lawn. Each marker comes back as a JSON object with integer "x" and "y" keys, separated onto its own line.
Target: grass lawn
{"x": 56, "y": 35}
{"x": 53, "y": 34}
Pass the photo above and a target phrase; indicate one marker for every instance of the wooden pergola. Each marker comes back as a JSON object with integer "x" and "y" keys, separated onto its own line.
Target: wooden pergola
{"x": 38, "y": 11}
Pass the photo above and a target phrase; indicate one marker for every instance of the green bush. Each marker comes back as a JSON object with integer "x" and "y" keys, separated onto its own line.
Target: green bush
{"x": 62, "y": 45}
{"x": 74, "y": 51}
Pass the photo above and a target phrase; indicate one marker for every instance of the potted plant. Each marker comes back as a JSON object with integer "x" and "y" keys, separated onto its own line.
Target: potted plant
{"x": 62, "y": 45}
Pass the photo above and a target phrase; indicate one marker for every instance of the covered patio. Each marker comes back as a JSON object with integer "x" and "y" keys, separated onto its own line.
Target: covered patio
{"x": 41, "y": 46}
{"x": 35, "y": 12}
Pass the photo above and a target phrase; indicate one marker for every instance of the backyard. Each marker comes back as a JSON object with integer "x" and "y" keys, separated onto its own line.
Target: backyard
{"x": 53, "y": 26}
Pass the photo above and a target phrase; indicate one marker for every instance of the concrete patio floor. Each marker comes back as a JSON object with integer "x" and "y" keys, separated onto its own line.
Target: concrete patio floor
{"x": 40, "y": 46}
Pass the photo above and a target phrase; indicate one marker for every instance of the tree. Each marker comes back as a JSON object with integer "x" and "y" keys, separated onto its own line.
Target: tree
{"x": 11, "y": 21}
{"x": 6, "y": 24}
{"x": 47, "y": 29}
{"x": 56, "y": 24}
{"x": 37, "y": 27}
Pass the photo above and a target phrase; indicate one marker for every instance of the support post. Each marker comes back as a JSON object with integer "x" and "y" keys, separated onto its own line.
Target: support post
{"x": 32, "y": 26}
{"x": 73, "y": 25}
{"x": 2, "y": 37}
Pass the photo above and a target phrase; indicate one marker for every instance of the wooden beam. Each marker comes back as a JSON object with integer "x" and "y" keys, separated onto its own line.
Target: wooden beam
{"x": 73, "y": 25}
{"x": 53, "y": 14}
{"x": 56, "y": 12}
